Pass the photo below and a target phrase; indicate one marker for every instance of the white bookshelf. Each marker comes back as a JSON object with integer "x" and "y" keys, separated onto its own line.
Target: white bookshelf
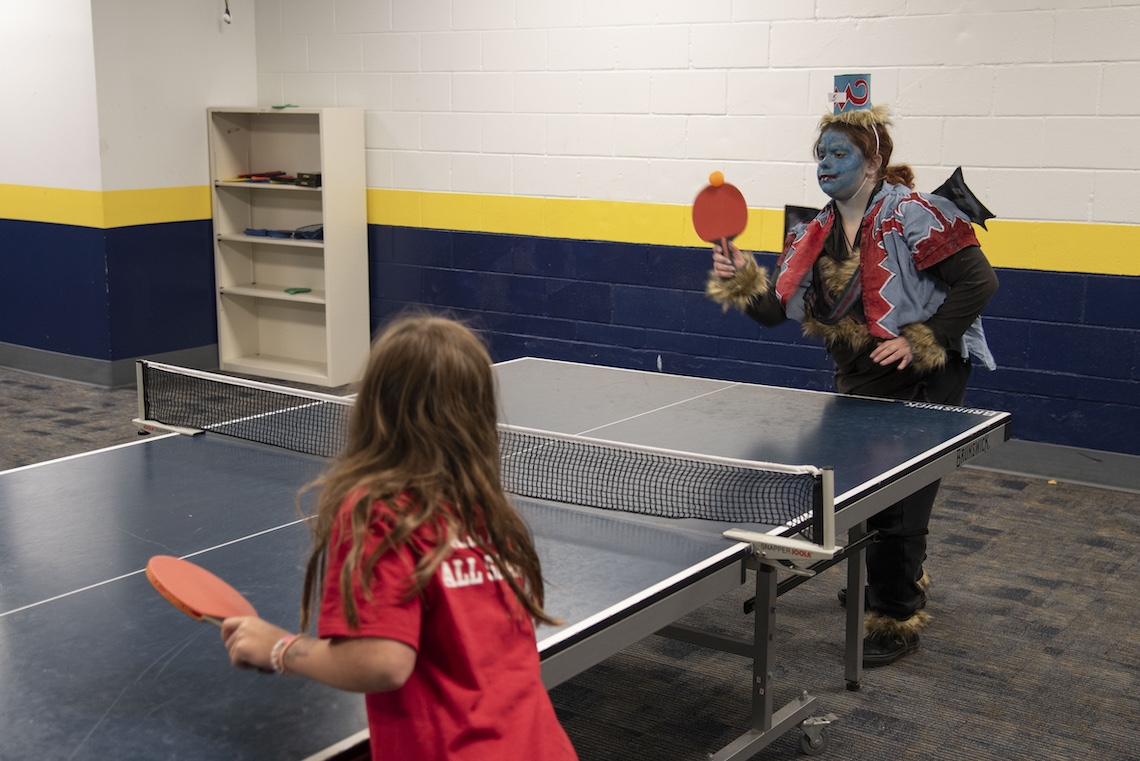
{"x": 320, "y": 336}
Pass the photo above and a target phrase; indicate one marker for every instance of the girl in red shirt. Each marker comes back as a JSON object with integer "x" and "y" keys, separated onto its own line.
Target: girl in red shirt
{"x": 424, "y": 580}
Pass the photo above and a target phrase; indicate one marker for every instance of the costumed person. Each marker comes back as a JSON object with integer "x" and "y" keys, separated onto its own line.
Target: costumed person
{"x": 893, "y": 281}
{"x": 423, "y": 578}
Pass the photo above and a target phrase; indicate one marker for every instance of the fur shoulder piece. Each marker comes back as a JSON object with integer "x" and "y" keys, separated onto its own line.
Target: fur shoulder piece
{"x": 927, "y": 352}
{"x": 749, "y": 282}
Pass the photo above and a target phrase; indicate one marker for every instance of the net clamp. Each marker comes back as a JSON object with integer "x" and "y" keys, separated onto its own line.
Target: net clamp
{"x": 153, "y": 426}
{"x": 786, "y": 553}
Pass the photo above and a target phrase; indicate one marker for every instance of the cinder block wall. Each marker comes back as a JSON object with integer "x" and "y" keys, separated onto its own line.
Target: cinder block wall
{"x": 104, "y": 206}
{"x": 531, "y": 165}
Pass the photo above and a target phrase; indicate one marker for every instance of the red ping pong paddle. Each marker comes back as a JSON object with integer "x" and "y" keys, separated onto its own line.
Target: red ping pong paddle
{"x": 195, "y": 591}
{"x": 719, "y": 211}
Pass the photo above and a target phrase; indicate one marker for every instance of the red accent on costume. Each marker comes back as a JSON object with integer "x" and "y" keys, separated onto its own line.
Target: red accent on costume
{"x": 916, "y": 227}
{"x": 799, "y": 256}
{"x": 872, "y": 257}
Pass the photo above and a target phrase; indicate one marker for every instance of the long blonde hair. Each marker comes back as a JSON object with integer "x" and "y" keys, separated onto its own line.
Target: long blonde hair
{"x": 423, "y": 426}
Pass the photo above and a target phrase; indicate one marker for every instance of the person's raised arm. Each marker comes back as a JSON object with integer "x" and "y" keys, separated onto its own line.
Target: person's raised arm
{"x": 738, "y": 281}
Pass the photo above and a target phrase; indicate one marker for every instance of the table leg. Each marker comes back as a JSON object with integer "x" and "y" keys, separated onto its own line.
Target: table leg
{"x": 764, "y": 638}
{"x": 768, "y": 724}
{"x": 856, "y": 581}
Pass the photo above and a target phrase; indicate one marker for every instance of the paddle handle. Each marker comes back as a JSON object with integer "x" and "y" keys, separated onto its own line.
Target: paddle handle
{"x": 724, "y": 250}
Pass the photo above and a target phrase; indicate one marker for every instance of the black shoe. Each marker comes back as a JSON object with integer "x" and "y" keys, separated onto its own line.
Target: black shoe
{"x": 880, "y": 649}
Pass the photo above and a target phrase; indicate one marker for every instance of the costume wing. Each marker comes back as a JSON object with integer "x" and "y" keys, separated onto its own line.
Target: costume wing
{"x": 961, "y": 196}
{"x": 794, "y": 215}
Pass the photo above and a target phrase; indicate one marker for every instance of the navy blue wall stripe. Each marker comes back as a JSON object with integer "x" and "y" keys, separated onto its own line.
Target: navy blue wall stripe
{"x": 1067, "y": 345}
{"x": 107, "y": 294}
{"x": 160, "y": 284}
{"x": 54, "y": 290}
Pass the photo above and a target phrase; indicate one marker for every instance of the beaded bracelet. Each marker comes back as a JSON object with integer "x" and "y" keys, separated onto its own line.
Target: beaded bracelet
{"x": 277, "y": 654}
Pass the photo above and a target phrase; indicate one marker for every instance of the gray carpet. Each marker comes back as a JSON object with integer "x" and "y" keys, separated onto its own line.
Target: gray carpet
{"x": 1031, "y": 654}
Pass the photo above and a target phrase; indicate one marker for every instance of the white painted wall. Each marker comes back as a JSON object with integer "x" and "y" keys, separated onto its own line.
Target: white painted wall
{"x": 49, "y": 136}
{"x": 637, "y": 100}
{"x": 158, "y": 67}
{"x": 112, "y": 94}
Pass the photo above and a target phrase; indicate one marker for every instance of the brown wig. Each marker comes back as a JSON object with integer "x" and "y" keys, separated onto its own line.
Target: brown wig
{"x": 867, "y": 131}
{"x": 424, "y": 425}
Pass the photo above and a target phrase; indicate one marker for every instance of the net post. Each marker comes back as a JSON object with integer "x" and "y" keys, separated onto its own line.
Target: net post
{"x": 188, "y": 401}
{"x": 139, "y": 373}
{"x": 827, "y": 506}
{"x": 143, "y": 421}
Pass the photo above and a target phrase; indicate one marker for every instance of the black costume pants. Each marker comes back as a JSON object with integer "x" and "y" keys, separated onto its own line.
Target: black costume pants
{"x": 894, "y": 559}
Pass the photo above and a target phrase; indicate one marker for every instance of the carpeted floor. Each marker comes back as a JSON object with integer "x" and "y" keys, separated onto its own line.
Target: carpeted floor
{"x": 1032, "y": 652}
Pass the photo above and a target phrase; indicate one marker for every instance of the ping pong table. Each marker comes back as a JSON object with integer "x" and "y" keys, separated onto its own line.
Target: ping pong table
{"x": 94, "y": 664}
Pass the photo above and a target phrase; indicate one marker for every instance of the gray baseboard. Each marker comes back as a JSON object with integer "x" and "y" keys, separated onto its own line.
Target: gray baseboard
{"x": 97, "y": 372}
{"x": 1088, "y": 467}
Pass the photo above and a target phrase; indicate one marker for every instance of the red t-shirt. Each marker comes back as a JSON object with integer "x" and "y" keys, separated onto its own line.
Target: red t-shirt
{"x": 476, "y": 692}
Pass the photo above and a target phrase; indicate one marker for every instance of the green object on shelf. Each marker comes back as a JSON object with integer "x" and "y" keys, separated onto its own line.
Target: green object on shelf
{"x": 285, "y": 105}
{"x": 297, "y": 290}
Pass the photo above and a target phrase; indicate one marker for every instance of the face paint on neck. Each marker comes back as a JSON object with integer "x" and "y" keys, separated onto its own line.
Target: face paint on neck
{"x": 840, "y": 168}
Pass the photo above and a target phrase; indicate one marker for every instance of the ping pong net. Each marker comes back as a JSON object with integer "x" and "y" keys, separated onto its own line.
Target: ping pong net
{"x": 571, "y": 469}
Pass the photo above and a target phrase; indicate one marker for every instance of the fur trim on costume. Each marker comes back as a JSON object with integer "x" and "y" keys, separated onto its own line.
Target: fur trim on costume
{"x": 873, "y": 623}
{"x": 846, "y": 332}
{"x": 749, "y": 282}
{"x": 925, "y": 583}
{"x": 838, "y": 274}
{"x": 927, "y": 353}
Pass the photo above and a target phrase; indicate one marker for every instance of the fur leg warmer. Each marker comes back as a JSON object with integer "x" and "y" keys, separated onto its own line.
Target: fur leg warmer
{"x": 873, "y": 623}
{"x": 925, "y": 583}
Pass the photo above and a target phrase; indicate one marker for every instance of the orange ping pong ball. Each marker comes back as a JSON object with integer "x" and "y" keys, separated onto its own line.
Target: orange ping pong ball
{"x": 716, "y": 179}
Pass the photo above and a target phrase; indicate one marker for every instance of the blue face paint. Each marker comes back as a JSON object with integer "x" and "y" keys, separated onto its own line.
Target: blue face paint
{"x": 840, "y": 168}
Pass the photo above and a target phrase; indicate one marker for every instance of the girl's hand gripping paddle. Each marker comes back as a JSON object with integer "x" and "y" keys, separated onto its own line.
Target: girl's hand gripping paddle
{"x": 719, "y": 212}
{"x": 195, "y": 591}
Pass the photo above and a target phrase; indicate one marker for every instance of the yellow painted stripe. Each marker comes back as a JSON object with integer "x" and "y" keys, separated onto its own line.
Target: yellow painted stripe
{"x": 82, "y": 208}
{"x": 1048, "y": 246}
{"x": 1063, "y": 247}
{"x": 124, "y": 208}
{"x": 618, "y": 221}
{"x": 104, "y": 209}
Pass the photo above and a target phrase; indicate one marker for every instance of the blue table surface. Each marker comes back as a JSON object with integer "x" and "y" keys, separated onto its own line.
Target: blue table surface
{"x": 94, "y": 664}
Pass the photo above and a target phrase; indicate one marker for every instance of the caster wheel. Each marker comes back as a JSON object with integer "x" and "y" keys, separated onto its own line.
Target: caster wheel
{"x": 813, "y": 746}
